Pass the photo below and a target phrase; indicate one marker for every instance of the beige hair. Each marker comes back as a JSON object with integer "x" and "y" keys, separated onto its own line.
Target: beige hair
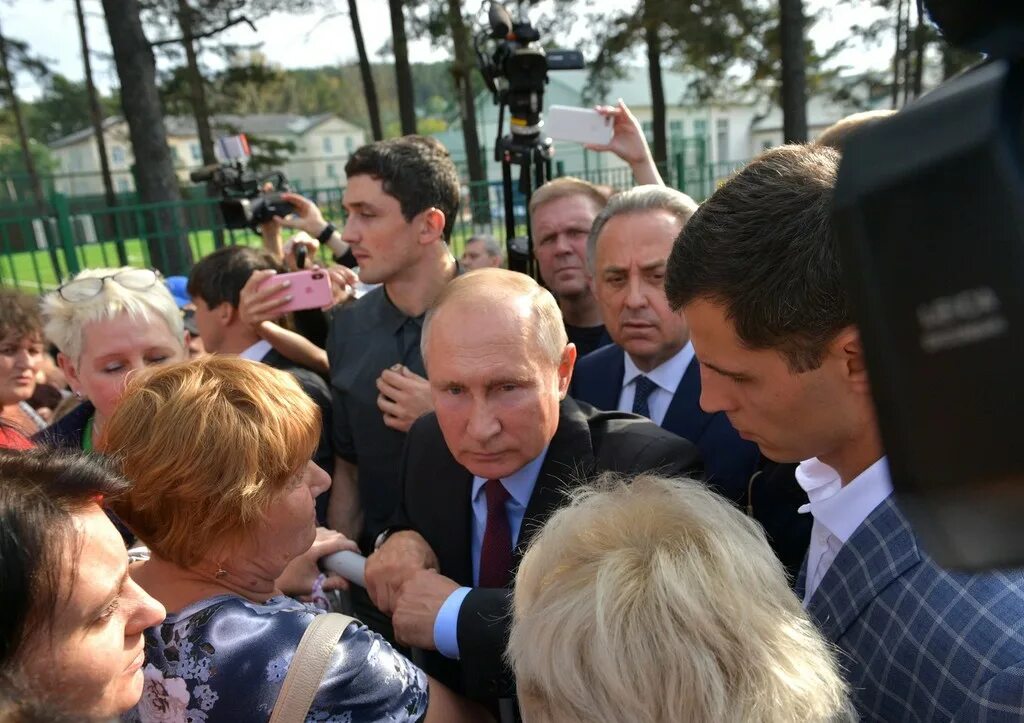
{"x": 639, "y": 199}
{"x": 565, "y": 187}
{"x": 509, "y": 290}
{"x": 836, "y": 134}
{"x": 65, "y": 319}
{"x": 209, "y": 444}
{"x": 657, "y": 602}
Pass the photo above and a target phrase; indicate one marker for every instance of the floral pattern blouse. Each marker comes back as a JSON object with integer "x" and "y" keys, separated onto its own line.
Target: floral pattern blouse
{"x": 223, "y": 660}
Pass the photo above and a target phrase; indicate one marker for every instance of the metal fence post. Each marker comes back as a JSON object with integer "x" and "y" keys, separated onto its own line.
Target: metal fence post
{"x": 62, "y": 212}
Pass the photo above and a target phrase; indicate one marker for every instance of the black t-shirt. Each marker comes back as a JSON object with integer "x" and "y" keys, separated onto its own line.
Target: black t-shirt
{"x": 587, "y": 338}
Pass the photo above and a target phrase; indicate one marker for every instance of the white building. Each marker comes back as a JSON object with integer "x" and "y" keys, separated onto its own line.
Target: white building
{"x": 322, "y": 143}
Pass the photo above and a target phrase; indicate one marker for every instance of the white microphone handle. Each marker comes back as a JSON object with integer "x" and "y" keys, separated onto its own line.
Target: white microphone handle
{"x": 350, "y": 565}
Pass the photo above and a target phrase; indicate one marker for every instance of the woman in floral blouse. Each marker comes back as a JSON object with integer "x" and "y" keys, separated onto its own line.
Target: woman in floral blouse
{"x": 219, "y": 450}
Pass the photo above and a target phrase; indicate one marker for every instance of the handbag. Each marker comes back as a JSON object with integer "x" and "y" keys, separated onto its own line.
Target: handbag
{"x": 308, "y": 667}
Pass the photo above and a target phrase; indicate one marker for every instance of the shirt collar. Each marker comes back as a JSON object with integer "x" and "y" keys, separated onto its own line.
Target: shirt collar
{"x": 840, "y": 508}
{"x": 257, "y": 351}
{"x": 393, "y": 317}
{"x": 666, "y": 375}
{"x": 519, "y": 484}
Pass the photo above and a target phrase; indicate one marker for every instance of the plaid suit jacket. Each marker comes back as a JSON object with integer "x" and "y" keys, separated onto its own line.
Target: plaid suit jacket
{"x": 919, "y": 643}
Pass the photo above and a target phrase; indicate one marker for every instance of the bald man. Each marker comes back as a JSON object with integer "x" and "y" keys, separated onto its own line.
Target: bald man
{"x": 484, "y": 472}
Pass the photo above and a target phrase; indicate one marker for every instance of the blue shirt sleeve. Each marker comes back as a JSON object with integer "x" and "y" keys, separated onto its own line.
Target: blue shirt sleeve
{"x": 446, "y": 626}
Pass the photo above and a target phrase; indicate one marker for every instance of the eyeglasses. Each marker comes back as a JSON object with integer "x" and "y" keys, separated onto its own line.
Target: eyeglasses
{"x": 83, "y": 289}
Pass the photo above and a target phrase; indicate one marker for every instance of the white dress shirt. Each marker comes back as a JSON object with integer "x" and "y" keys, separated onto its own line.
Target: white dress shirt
{"x": 667, "y": 376}
{"x": 257, "y": 351}
{"x": 838, "y": 511}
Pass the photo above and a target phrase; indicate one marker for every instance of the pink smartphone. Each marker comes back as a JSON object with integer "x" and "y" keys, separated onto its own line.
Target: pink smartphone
{"x": 310, "y": 289}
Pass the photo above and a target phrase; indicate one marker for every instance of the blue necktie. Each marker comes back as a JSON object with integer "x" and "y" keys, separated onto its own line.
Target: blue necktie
{"x": 644, "y": 388}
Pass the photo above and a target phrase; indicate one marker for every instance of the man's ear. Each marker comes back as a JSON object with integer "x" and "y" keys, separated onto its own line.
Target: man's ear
{"x": 432, "y": 228}
{"x": 70, "y": 370}
{"x": 847, "y": 346}
{"x": 565, "y": 367}
{"x": 224, "y": 313}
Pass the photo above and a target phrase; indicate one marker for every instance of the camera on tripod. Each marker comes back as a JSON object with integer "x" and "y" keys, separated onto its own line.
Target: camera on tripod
{"x": 246, "y": 202}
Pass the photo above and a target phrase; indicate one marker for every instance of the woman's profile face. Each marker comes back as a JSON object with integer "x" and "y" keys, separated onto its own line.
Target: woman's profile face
{"x": 93, "y": 655}
{"x": 112, "y": 350}
{"x": 289, "y": 525}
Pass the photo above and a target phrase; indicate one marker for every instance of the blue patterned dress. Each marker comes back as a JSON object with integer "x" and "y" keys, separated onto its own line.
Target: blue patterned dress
{"x": 223, "y": 660}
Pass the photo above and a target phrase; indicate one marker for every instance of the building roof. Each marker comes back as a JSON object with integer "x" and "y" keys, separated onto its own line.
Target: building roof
{"x": 274, "y": 124}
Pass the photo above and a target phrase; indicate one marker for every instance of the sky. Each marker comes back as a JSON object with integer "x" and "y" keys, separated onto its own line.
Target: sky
{"x": 321, "y": 38}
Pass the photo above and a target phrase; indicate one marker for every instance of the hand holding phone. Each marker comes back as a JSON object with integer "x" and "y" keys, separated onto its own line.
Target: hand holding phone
{"x": 583, "y": 125}
{"x": 308, "y": 289}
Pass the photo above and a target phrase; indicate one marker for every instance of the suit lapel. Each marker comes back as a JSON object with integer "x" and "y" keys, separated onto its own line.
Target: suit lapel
{"x": 880, "y": 550}
{"x": 684, "y": 415}
{"x": 570, "y": 459}
{"x": 606, "y": 394}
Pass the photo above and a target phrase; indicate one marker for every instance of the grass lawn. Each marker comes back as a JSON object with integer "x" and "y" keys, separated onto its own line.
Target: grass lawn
{"x": 33, "y": 271}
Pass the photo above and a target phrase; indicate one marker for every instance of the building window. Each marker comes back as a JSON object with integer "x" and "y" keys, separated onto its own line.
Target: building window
{"x": 648, "y": 127}
{"x": 117, "y": 155}
{"x": 350, "y": 144}
{"x": 328, "y": 145}
{"x": 331, "y": 171}
{"x": 197, "y": 152}
{"x": 700, "y": 128}
{"x": 174, "y": 154}
{"x": 123, "y": 185}
{"x": 722, "y": 133}
{"x": 675, "y": 128}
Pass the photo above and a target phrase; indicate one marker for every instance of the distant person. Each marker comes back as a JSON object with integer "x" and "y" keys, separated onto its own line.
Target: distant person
{"x": 561, "y": 214}
{"x": 484, "y": 471}
{"x": 651, "y": 599}
{"x": 481, "y": 252}
{"x": 757, "y": 272}
{"x": 178, "y": 286}
{"x": 21, "y": 355}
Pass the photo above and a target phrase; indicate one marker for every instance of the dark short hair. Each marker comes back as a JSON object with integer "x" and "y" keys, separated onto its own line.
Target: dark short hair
{"x": 20, "y": 314}
{"x": 40, "y": 491}
{"x": 763, "y": 246}
{"x": 220, "y": 276}
{"x": 416, "y": 170}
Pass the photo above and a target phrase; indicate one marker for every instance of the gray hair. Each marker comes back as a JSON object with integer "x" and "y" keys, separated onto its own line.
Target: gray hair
{"x": 636, "y": 200}
{"x": 491, "y": 244}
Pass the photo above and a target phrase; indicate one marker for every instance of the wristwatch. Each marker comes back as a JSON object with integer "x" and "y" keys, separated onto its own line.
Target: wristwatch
{"x": 325, "y": 235}
{"x": 384, "y": 535}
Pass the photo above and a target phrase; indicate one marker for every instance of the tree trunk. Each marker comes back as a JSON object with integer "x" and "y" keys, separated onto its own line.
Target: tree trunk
{"x": 365, "y": 72}
{"x": 920, "y": 46}
{"x": 462, "y": 70}
{"x": 794, "y": 71}
{"x": 403, "y": 73}
{"x": 197, "y": 89}
{"x": 897, "y": 56}
{"x": 653, "y": 38}
{"x": 154, "y": 169}
{"x": 19, "y": 123}
{"x": 96, "y": 113}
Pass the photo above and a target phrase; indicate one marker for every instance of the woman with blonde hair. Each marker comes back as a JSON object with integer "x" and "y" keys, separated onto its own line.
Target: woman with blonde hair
{"x": 657, "y": 602}
{"x": 107, "y": 325}
{"x": 219, "y": 452}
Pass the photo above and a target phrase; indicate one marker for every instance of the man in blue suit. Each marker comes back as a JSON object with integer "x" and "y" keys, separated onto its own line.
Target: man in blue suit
{"x": 757, "y": 274}
{"x": 650, "y": 369}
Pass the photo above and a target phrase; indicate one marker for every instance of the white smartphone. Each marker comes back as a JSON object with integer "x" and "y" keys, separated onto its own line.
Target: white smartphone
{"x": 583, "y": 125}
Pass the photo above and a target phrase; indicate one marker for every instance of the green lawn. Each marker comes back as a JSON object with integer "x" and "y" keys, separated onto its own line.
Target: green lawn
{"x": 33, "y": 270}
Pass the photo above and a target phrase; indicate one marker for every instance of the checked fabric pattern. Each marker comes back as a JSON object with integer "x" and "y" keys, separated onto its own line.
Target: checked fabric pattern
{"x": 921, "y": 643}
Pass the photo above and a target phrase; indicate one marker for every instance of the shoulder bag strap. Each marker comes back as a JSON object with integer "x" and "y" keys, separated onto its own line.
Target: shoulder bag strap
{"x": 308, "y": 667}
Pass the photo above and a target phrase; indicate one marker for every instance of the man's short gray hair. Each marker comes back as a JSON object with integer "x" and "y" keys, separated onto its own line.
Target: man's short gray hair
{"x": 636, "y": 200}
{"x": 491, "y": 244}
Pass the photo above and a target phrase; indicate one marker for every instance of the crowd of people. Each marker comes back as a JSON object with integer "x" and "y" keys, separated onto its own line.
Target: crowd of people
{"x": 649, "y": 487}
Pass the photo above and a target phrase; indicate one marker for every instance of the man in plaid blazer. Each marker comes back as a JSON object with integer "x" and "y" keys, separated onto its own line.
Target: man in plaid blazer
{"x": 756, "y": 272}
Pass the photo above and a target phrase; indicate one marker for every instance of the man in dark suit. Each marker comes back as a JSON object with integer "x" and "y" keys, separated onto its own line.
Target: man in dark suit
{"x": 757, "y": 273}
{"x": 483, "y": 472}
{"x": 215, "y": 284}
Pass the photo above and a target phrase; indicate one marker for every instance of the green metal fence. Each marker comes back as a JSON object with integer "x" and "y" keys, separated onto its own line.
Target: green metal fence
{"x": 40, "y": 247}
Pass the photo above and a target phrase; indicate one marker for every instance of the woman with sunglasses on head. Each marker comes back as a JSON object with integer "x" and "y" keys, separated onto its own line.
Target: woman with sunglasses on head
{"x": 107, "y": 324}
{"x": 72, "y": 621}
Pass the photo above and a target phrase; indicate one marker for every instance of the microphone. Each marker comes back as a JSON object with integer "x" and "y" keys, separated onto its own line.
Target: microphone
{"x": 350, "y": 565}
